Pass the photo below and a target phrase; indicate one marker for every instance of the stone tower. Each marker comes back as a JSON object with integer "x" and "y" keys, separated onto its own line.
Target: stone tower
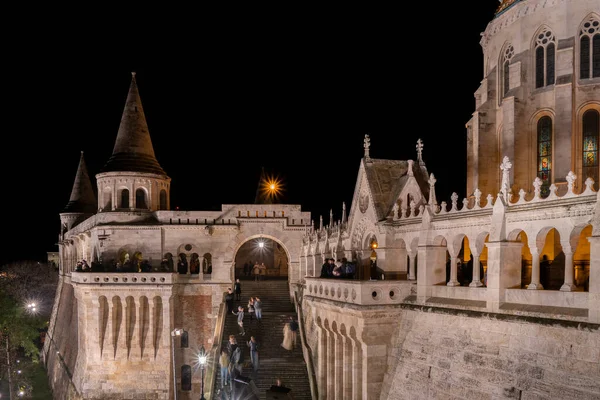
{"x": 132, "y": 179}
{"x": 540, "y": 93}
{"x": 82, "y": 203}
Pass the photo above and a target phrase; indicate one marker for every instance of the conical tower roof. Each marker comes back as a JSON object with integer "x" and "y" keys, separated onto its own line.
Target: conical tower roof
{"x": 133, "y": 151}
{"x": 83, "y": 199}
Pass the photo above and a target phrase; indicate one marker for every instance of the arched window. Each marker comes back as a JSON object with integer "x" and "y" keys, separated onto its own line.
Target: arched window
{"x": 125, "y": 198}
{"x": 589, "y": 49}
{"x": 185, "y": 341}
{"x": 507, "y": 55}
{"x": 590, "y": 134}
{"x": 140, "y": 199}
{"x": 544, "y": 58}
{"x": 544, "y": 159}
{"x": 107, "y": 200}
{"x": 186, "y": 378}
{"x": 163, "y": 200}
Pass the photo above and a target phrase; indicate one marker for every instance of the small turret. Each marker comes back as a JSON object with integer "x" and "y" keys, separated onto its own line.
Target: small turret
{"x": 132, "y": 179}
{"x": 82, "y": 203}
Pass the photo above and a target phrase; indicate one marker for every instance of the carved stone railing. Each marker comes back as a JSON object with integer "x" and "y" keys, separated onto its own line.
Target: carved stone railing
{"x": 124, "y": 278}
{"x": 359, "y": 292}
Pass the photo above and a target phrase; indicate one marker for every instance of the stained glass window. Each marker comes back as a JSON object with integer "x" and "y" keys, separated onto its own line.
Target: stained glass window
{"x": 591, "y": 133}
{"x": 544, "y": 139}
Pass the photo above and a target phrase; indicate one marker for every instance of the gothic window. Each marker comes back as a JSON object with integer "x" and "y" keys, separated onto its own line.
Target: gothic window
{"x": 589, "y": 49}
{"x": 508, "y": 54}
{"x": 544, "y": 159}
{"x": 140, "y": 199}
{"x": 163, "y": 200}
{"x": 125, "y": 198}
{"x": 591, "y": 133}
{"x": 544, "y": 58}
{"x": 186, "y": 378}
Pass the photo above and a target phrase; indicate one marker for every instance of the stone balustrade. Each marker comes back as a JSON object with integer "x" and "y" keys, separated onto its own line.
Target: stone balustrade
{"x": 359, "y": 292}
{"x": 124, "y": 278}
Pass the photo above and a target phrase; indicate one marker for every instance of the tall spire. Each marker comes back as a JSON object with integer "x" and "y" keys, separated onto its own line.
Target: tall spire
{"x": 83, "y": 199}
{"x": 133, "y": 151}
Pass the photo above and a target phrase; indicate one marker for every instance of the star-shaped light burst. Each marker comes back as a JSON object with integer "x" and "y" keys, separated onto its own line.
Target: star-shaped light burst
{"x": 272, "y": 188}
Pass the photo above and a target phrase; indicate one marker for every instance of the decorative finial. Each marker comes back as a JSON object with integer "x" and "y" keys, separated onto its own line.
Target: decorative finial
{"x": 367, "y": 145}
{"x": 81, "y": 152}
{"x": 432, "y": 199}
{"x": 419, "y": 150}
{"x": 133, "y": 74}
{"x": 505, "y": 186}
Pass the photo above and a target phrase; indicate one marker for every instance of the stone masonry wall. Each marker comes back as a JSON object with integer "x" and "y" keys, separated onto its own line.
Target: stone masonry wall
{"x": 194, "y": 315}
{"x": 63, "y": 349}
{"x": 454, "y": 355}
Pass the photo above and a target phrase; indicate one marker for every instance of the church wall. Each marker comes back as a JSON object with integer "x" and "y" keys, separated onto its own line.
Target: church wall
{"x": 517, "y": 125}
{"x": 446, "y": 355}
{"x": 63, "y": 348}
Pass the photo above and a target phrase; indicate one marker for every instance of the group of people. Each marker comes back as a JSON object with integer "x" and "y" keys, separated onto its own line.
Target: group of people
{"x": 256, "y": 270}
{"x": 231, "y": 360}
{"x": 340, "y": 269}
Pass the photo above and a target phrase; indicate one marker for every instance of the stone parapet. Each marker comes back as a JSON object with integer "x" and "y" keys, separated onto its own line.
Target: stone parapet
{"x": 360, "y": 292}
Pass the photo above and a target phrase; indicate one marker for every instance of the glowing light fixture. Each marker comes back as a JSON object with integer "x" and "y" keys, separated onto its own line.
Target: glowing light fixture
{"x": 261, "y": 244}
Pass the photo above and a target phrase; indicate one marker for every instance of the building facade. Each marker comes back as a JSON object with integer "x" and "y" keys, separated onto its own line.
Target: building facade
{"x": 496, "y": 295}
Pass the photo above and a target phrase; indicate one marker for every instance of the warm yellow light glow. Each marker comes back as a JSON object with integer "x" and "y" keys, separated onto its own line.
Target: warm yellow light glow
{"x": 272, "y": 187}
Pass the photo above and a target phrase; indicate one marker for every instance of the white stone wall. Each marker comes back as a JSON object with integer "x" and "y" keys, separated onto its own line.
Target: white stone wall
{"x": 508, "y": 126}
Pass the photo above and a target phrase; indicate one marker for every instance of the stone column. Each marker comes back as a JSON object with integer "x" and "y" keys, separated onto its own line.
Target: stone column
{"x": 535, "y": 268}
{"x": 453, "y": 272}
{"x": 357, "y": 370}
{"x": 431, "y": 271}
{"x": 314, "y": 263}
{"x": 322, "y": 360}
{"x": 330, "y": 371}
{"x": 504, "y": 271}
{"x": 339, "y": 366}
{"x": 476, "y": 277}
{"x": 594, "y": 293}
{"x": 109, "y": 333}
{"x": 348, "y": 367}
{"x": 568, "y": 285}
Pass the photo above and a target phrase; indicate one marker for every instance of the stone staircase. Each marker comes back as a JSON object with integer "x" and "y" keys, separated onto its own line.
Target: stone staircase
{"x": 275, "y": 361}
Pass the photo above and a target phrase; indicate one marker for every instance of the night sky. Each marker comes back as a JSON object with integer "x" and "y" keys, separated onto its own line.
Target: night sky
{"x": 295, "y": 98}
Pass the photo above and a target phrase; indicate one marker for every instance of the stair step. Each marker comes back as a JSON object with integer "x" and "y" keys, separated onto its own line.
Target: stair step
{"x": 275, "y": 362}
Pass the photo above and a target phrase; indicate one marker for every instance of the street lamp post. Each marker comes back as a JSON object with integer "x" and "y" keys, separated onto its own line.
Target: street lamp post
{"x": 175, "y": 332}
{"x": 202, "y": 361}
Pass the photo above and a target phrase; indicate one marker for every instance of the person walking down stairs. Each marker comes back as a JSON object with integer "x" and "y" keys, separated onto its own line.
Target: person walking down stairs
{"x": 240, "y": 319}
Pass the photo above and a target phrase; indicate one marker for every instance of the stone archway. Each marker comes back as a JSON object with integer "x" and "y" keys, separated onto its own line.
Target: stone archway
{"x": 262, "y": 249}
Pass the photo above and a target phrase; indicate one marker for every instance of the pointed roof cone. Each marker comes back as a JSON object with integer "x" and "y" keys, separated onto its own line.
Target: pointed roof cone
{"x": 83, "y": 199}
{"x": 133, "y": 151}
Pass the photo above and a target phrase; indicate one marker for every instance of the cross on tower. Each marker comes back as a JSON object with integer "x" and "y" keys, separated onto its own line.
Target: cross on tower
{"x": 419, "y": 149}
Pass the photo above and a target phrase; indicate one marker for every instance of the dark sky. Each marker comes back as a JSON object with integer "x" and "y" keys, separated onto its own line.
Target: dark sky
{"x": 294, "y": 97}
